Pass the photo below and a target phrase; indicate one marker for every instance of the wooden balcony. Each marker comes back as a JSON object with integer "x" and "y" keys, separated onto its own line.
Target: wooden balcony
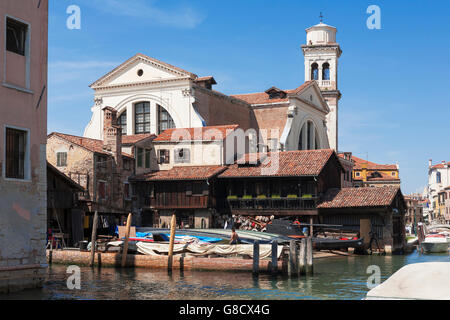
{"x": 176, "y": 201}
{"x": 280, "y": 205}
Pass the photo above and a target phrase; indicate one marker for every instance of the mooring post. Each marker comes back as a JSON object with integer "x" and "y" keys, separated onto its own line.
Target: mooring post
{"x": 256, "y": 258}
{"x": 292, "y": 266}
{"x": 309, "y": 256}
{"x": 173, "y": 223}
{"x": 93, "y": 238}
{"x": 274, "y": 257}
{"x": 125, "y": 245}
{"x": 302, "y": 258}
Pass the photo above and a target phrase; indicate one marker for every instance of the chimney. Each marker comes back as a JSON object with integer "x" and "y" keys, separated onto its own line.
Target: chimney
{"x": 112, "y": 136}
{"x": 430, "y": 163}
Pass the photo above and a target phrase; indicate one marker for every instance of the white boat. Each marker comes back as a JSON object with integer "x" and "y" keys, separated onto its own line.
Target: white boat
{"x": 435, "y": 243}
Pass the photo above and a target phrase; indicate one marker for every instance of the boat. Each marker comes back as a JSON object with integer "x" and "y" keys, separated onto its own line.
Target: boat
{"x": 293, "y": 231}
{"x": 435, "y": 243}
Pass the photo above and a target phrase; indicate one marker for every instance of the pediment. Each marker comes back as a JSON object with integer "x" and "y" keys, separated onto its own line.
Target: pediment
{"x": 312, "y": 95}
{"x": 141, "y": 68}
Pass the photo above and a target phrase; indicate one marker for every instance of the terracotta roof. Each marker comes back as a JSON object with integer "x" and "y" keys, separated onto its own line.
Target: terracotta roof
{"x": 199, "y": 133}
{"x": 132, "y": 139}
{"x": 182, "y": 173}
{"x": 440, "y": 166}
{"x": 290, "y": 164}
{"x": 93, "y": 145}
{"x": 358, "y": 197}
{"x": 207, "y": 78}
{"x": 372, "y": 165}
{"x": 263, "y": 97}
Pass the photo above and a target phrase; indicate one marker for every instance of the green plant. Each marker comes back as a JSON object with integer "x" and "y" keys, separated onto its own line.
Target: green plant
{"x": 276, "y": 196}
{"x": 292, "y": 196}
{"x": 307, "y": 196}
{"x": 231, "y": 197}
{"x": 247, "y": 197}
{"x": 261, "y": 196}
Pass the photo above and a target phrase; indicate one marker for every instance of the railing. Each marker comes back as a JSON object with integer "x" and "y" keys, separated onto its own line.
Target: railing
{"x": 324, "y": 83}
{"x": 288, "y": 203}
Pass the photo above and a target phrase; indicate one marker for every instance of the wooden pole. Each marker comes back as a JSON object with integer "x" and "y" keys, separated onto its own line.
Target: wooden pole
{"x": 93, "y": 238}
{"x": 293, "y": 259}
{"x": 302, "y": 257}
{"x": 274, "y": 257}
{"x": 311, "y": 228}
{"x": 125, "y": 245}
{"x": 172, "y": 240}
{"x": 256, "y": 258}
{"x": 309, "y": 256}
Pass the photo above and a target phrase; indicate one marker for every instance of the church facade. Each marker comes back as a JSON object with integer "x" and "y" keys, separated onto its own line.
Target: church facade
{"x": 151, "y": 96}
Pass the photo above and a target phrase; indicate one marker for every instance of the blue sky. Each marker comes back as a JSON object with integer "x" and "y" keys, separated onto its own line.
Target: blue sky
{"x": 394, "y": 81}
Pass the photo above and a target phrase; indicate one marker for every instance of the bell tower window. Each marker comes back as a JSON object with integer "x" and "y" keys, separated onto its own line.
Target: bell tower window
{"x": 326, "y": 71}
{"x": 314, "y": 71}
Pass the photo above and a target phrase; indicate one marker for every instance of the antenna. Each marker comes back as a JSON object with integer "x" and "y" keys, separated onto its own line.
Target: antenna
{"x": 321, "y": 17}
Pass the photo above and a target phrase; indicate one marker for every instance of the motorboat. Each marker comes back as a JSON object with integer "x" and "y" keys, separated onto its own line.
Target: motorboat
{"x": 436, "y": 243}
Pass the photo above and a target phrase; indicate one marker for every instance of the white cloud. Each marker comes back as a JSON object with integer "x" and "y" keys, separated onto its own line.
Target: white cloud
{"x": 181, "y": 17}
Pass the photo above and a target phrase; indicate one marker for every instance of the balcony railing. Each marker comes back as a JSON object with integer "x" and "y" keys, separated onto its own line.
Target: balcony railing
{"x": 278, "y": 203}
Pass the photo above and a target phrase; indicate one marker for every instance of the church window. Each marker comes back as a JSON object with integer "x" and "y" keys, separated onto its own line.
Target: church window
{"x": 326, "y": 71}
{"x": 142, "y": 117}
{"x": 310, "y": 131}
{"x": 165, "y": 121}
{"x": 122, "y": 122}
{"x": 140, "y": 72}
{"x": 315, "y": 71}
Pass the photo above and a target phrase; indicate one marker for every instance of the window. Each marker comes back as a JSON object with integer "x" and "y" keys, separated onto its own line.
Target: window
{"x": 126, "y": 190}
{"x": 61, "y": 159}
{"x": 393, "y": 174}
{"x": 197, "y": 188}
{"x": 165, "y": 121}
{"x": 314, "y": 71}
{"x": 101, "y": 190}
{"x": 182, "y": 156}
{"x": 16, "y": 34}
{"x": 357, "y": 174}
{"x": 438, "y": 177}
{"x": 163, "y": 156}
{"x": 142, "y": 117}
{"x": 147, "y": 158}
{"x": 140, "y": 153}
{"x": 16, "y": 141}
{"x": 326, "y": 71}
{"x": 122, "y": 122}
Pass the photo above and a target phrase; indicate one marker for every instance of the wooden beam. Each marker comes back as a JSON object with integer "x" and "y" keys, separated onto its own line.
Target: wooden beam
{"x": 172, "y": 241}
{"x": 125, "y": 245}
{"x": 93, "y": 238}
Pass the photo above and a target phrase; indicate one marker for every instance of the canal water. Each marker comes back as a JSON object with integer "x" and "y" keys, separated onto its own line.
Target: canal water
{"x": 334, "y": 278}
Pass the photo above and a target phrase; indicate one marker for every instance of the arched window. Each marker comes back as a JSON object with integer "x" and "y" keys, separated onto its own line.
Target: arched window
{"x": 165, "y": 121}
{"x": 438, "y": 177}
{"x": 314, "y": 71}
{"x": 310, "y": 135}
{"x": 122, "y": 122}
{"x": 317, "y": 144}
{"x": 326, "y": 71}
{"x": 142, "y": 117}
{"x": 300, "y": 140}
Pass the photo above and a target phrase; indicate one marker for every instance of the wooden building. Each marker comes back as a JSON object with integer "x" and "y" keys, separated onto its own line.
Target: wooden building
{"x": 373, "y": 212}
{"x": 286, "y": 183}
{"x": 188, "y": 191}
{"x": 64, "y": 212}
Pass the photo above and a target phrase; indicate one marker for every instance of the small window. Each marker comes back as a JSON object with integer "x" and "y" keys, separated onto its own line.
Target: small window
{"x": 61, "y": 159}
{"x": 357, "y": 174}
{"x": 147, "y": 158}
{"x": 182, "y": 155}
{"x": 16, "y": 34}
{"x": 197, "y": 188}
{"x": 140, "y": 72}
{"x": 122, "y": 122}
{"x": 163, "y": 156}
{"x": 393, "y": 174}
{"x": 438, "y": 177}
{"x": 140, "y": 153}
{"x": 16, "y": 141}
{"x": 142, "y": 117}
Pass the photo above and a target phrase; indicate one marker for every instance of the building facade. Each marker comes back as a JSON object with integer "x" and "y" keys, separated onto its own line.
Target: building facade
{"x": 23, "y": 130}
{"x": 438, "y": 180}
{"x": 370, "y": 174}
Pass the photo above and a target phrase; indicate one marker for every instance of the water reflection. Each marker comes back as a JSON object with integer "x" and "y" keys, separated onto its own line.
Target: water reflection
{"x": 334, "y": 278}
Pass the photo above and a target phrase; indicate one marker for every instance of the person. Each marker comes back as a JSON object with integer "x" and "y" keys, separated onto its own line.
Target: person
{"x": 234, "y": 237}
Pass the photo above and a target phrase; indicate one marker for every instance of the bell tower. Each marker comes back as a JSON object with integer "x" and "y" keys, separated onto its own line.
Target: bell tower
{"x": 321, "y": 54}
